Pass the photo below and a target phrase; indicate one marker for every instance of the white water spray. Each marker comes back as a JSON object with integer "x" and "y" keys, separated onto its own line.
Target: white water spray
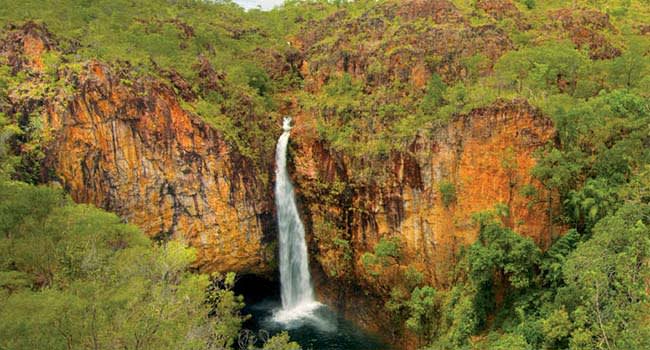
{"x": 295, "y": 280}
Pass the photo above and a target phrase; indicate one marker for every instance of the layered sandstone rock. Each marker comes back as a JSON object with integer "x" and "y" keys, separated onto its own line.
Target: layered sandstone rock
{"x": 486, "y": 155}
{"x": 135, "y": 151}
{"x": 129, "y": 147}
{"x": 587, "y": 29}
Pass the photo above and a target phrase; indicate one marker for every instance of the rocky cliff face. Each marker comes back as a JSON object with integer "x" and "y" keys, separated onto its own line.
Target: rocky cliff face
{"x": 485, "y": 157}
{"x": 126, "y": 144}
{"x": 479, "y": 159}
{"x": 426, "y": 192}
{"x": 135, "y": 151}
{"x": 432, "y": 36}
{"x": 129, "y": 147}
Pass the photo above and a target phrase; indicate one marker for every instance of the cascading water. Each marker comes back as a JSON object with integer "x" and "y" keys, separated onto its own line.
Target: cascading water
{"x": 310, "y": 323}
{"x": 296, "y": 289}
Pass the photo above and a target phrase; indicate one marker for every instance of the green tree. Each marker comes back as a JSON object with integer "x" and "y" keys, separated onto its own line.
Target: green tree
{"x": 280, "y": 342}
{"x": 628, "y": 69}
{"x": 606, "y": 281}
{"x": 434, "y": 96}
{"x": 447, "y": 192}
{"x": 73, "y": 276}
{"x": 423, "y": 312}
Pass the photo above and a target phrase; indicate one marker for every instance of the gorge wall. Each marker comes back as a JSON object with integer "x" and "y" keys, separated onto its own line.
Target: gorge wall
{"x": 131, "y": 148}
{"x": 128, "y": 145}
{"x": 482, "y": 158}
{"x": 486, "y": 156}
{"x": 135, "y": 151}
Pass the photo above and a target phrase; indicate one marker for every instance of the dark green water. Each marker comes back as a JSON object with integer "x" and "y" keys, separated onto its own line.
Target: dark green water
{"x": 320, "y": 329}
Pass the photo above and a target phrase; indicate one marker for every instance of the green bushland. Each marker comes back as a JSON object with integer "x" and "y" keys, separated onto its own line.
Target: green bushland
{"x": 72, "y": 275}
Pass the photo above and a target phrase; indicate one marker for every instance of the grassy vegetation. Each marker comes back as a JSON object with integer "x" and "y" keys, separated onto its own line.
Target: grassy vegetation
{"x": 74, "y": 276}
{"x": 374, "y": 81}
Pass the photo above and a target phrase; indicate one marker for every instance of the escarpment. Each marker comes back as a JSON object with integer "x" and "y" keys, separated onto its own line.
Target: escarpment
{"x": 432, "y": 37}
{"x": 135, "y": 151}
{"x": 483, "y": 159}
{"x": 128, "y": 146}
{"x": 423, "y": 191}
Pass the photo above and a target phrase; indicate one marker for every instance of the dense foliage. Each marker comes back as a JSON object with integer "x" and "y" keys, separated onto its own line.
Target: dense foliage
{"x": 589, "y": 290}
{"x": 73, "y": 276}
{"x": 76, "y": 277}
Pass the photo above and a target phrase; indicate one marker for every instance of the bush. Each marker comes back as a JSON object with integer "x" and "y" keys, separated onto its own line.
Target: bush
{"x": 388, "y": 248}
{"x": 447, "y": 192}
{"x": 73, "y": 276}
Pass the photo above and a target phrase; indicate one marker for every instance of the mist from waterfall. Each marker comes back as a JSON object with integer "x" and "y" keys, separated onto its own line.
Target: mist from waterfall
{"x": 297, "y": 292}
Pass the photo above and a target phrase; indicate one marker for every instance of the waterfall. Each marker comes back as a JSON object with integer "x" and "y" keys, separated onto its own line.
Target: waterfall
{"x": 297, "y": 292}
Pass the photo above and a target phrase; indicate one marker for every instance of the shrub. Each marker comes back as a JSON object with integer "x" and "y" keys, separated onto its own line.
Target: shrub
{"x": 388, "y": 248}
{"x": 447, "y": 192}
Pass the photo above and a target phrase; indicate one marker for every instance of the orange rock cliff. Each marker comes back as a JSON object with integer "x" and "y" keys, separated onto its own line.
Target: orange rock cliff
{"x": 131, "y": 148}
